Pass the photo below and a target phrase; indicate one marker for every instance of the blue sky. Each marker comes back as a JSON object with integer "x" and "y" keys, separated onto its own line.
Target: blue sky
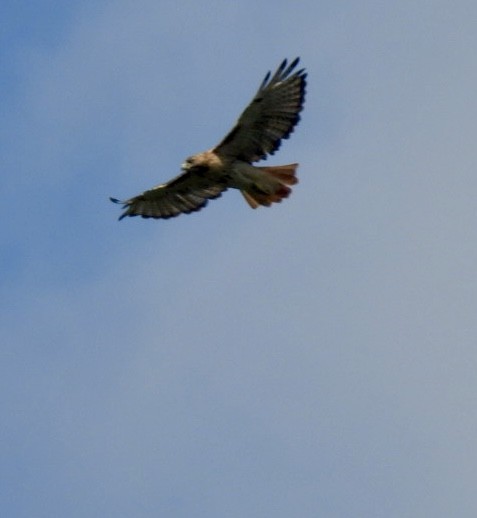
{"x": 316, "y": 358}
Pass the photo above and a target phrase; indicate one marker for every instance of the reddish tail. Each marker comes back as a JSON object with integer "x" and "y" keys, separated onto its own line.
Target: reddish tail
{"x": 274, "y": 186}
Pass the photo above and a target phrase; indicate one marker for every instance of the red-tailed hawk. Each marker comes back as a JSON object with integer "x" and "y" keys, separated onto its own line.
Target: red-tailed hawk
{"x": 269, "y": 118}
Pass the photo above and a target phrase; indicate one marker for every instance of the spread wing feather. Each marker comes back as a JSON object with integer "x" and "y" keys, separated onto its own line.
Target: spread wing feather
{"x": 269, "y": 118}
{"x": 186, "y": 193}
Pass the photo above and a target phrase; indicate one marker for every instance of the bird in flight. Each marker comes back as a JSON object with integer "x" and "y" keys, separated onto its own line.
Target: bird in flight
{"x": 267, "y": 120}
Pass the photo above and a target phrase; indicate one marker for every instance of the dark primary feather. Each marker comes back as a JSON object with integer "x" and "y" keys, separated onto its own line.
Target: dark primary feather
{"x": 186, "y": 193}
{"x": 270, "y": 117}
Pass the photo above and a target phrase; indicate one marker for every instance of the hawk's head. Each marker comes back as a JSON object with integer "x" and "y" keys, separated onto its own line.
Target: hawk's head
{"x": 201, "y": 163}
{"x": 188, "y": 163}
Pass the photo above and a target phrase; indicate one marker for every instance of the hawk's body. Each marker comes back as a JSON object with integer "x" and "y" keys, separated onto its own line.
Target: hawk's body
{"x": 269, "y": 118}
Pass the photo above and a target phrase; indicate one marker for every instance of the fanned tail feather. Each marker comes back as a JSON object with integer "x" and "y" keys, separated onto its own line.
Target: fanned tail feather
{"x": 280, "y": 177}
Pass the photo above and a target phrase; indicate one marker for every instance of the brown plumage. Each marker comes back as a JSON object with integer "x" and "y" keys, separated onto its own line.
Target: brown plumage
{"x": 267, "y": 120}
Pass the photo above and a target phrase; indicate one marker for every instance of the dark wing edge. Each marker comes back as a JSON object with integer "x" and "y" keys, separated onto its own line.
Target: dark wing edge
{"x": 182, "y": 195}
{"x": 270, "y": 117}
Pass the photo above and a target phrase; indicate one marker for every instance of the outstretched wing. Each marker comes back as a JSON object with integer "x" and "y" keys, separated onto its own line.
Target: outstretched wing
{"x": 188, "y": 192}
{"x": 269, "y": 118}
